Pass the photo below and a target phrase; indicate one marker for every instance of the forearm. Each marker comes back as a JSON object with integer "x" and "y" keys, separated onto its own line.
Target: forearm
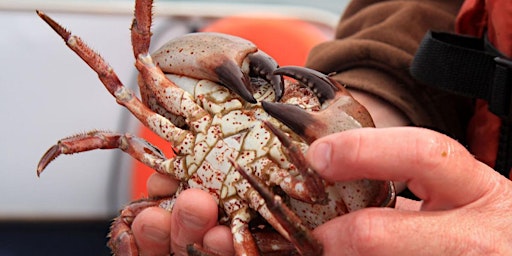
{"x": 374, "y": 46}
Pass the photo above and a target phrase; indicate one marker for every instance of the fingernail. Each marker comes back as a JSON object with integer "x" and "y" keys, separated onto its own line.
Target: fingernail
{"x": 154, "y": 233}
{"x": 191, "y": 221}
{"x": 321, "y": 156}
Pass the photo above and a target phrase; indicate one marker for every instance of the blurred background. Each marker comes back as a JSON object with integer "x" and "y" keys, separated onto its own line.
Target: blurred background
{"x": 48, "y": 93}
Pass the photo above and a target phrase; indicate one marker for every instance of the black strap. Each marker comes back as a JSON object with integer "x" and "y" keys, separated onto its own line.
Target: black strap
{"x": 472, "y": 67}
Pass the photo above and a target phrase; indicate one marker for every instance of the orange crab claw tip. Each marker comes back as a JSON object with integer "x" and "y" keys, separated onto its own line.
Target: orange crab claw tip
{"x": 49, "y": 156}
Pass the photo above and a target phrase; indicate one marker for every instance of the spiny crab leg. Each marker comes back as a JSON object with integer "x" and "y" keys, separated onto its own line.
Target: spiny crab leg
{"x": 125, "y": 97}
{"x": 94, "y": 60}
{"x": 312, "y": 182}
{"x": 141, "y": 27}
{"x": 136, "y": 147}
{"x": 122, "y": 242}
{"x": 297, "y": 232}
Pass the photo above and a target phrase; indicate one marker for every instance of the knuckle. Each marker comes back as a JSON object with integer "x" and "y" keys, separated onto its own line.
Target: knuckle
{"x": 434, "y": 152}
{"x": 349, "y": 149}
{"x": 367, "y": 232}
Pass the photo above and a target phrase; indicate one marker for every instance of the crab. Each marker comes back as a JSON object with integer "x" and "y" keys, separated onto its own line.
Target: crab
{"x": 238, "y": 130}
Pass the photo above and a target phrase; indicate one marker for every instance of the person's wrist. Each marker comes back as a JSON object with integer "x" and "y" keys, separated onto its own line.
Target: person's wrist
{"x": 384, "y": 114}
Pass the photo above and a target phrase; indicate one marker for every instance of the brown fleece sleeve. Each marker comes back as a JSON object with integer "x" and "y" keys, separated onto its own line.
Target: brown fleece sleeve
{"x": 374, "y": 46}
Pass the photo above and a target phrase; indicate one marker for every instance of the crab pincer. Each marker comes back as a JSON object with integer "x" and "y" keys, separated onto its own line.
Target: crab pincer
{"x": 228, "y": 60}
{"x": 339, "y": 112}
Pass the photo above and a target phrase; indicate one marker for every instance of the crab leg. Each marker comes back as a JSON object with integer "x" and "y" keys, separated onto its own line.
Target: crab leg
{"x": 243, "y": 241}
{"x": 136, "y": 147}
{"x": 294, "y": 230}
{"x": 124, "y": 242}
{"x": 309, "y": 179}
{"x": 268, "y": 241}
{"x": 242, "y": 238}
{"x": 125, "y": 97}
{"x": 141, "y": 27}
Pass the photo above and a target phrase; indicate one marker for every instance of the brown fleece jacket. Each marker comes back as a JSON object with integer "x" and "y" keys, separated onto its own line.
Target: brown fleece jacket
{"x": 374, "y": 45}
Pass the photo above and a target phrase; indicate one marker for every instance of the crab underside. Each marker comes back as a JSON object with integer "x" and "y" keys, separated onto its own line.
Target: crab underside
{"x": 239, "y": 131}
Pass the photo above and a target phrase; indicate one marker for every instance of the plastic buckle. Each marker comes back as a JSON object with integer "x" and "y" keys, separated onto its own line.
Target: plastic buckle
{"x": 500, "y": 102}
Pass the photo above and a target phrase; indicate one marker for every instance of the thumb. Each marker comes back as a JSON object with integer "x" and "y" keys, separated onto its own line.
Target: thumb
{"x": 435, "y": 167}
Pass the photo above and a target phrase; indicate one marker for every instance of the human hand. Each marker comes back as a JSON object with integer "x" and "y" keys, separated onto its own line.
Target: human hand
{"x": 193, "y": 220}
{"x": 465, "y": 209}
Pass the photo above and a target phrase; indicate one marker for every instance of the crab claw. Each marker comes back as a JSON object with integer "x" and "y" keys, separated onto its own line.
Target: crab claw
{"x": 323, "y": 87}
{"x": 264, "y": 66}
{"x": 230, "y": 75}
{"x": 261, "y": 65}
{"x": 339, "y": 112}
{"x": 221, "y": 58}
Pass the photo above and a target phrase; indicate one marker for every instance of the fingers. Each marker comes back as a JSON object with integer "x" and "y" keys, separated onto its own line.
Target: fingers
{"x": 158, "y": 231}
{"x": 194, "y": 213}
{"x": 387, "y": 231}
{"x": 159, "y": 185}
{"x": 152, "y": 227}
{"x": 219, "y": 240}
{"x": 436, "y": 168}
{"x": 152, "y": 231}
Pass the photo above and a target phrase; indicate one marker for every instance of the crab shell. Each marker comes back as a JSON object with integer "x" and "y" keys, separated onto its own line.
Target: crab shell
{"x": 208, "y": 141}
